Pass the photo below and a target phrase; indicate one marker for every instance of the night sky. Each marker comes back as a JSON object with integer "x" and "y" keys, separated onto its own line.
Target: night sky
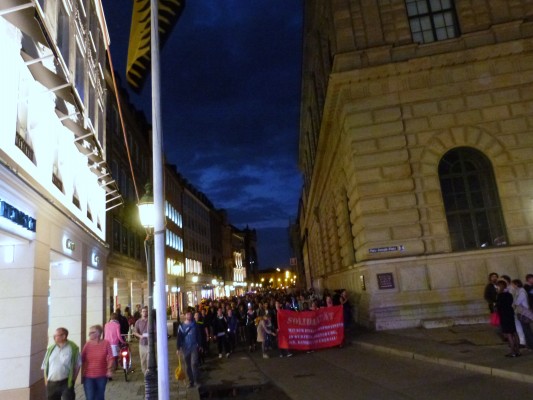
{"x": 230, "y": 79}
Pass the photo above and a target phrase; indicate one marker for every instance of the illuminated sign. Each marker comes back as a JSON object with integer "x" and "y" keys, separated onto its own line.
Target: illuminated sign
{"x": 18, "y": 217}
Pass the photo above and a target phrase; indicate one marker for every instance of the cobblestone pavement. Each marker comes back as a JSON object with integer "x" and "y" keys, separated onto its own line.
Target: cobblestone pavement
{"x": 119, "y": 389}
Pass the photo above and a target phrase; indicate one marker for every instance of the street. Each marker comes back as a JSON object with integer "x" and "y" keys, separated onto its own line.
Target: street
{"x": 352, "y": 372}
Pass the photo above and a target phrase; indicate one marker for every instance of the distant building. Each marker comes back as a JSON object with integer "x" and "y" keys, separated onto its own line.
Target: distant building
{"x": 416, "y": 150}
{"x": 55, "y": 183}
{"x": 174, "y": 242}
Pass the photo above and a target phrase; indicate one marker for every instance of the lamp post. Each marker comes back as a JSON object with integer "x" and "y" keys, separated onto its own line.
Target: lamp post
{"x": 146, "y": 215}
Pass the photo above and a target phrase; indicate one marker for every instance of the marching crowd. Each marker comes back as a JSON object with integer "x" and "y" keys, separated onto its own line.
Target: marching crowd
{"x": 214, "y": 325}
{"x": 248, "y": 320}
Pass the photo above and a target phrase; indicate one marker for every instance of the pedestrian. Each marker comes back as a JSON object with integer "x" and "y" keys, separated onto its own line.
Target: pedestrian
{"x": 61, "y": 366}
{"x": 113, "y": 336}
{"x": 220, "y": 329}
{"x": 504, "y": 307}
{"x": 251, "y": 328}
{"x": 275, "y": 328}
{"x": 491, "y": 291}
{"x": 514, "y": 292}
{"x": 189, "y": 339}
{"x": 233, "y": 326}
{"x": 241, "y": 316}
{"x": 137, "y": 313}
{"x": 522, "y": 311}
{"x": 97, "y": 364}
{"x": 141, "y": 332}
{"x": 263, "y": 329}
{"x": 528, "y": 287}
{"x": 346, "y": 312}
{"x": 123, "y": 320}
{"x": 202, "y": 348}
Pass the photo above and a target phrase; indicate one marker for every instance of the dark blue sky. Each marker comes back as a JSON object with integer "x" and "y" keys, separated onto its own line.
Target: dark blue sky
{"x": 230, "y": 79}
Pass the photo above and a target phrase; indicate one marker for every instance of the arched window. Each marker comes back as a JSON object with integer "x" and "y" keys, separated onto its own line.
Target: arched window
{"x": 471, "y": 200}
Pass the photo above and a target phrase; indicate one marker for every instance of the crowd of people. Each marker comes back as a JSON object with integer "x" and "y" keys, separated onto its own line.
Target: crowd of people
{"x": 221, "y": 325}
{"x": 511, "y": 301}
{"x": 212, "y": 327}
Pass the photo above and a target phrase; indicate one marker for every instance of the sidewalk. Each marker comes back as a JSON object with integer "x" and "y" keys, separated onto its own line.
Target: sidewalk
{"x": 119, "y": 389}
{"x": 471, "y": 347}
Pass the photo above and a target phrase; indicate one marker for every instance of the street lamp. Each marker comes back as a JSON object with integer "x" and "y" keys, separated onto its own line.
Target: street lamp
{"x": 147, "y": 217}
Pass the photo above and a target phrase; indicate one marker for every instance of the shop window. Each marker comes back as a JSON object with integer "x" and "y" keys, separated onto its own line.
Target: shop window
{"x": 471, "y": 200}
{"x": 432, "y": 20}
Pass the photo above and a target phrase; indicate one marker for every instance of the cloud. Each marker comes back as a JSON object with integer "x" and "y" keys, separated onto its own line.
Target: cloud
{"x": 230, "y": 84}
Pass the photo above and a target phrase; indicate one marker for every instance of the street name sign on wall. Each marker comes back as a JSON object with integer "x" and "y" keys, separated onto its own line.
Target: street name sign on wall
{"x": 386, "y": 249}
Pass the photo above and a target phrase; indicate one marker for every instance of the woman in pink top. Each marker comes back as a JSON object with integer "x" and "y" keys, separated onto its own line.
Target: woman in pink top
{"x": 112, "y": 335}
{"x": 97, "y": 364}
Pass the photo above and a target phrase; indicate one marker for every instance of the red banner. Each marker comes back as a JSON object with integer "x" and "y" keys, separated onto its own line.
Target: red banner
{"x": 310, "y": 330}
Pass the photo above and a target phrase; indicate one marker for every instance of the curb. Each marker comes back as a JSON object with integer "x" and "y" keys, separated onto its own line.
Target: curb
{"x": 496, "y": 372}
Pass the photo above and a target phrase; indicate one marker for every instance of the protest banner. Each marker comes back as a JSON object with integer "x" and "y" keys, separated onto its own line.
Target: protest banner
{"x": 310, "y": 330}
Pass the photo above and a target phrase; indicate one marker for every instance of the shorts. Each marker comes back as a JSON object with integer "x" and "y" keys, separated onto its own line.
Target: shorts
{"x": 114, "y": 349}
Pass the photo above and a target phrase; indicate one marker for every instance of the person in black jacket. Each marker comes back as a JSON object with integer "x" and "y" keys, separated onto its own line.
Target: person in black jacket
{"x": 124, "y": 324}
{"x": 491, "y": 291}
{"x": 220, "y": 330}
{"x": 504, "y": 307}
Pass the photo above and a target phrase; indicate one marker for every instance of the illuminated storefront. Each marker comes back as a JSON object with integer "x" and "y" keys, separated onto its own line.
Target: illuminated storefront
{"x": 55, "y": 186}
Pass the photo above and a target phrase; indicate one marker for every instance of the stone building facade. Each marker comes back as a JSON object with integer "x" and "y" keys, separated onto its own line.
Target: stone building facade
{"x": 416, "y": 146}
{"x": 126, "y": 282}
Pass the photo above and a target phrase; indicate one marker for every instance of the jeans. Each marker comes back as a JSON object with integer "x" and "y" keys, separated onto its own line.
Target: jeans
{"x": 191, "y": 361}
{"x": 95, "y": 388}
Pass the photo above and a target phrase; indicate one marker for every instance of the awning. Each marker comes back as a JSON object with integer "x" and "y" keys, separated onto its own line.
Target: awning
{"x": 87, "y": 145}
{"x": 49, "y": 79}
{"x": 21, "y": 13}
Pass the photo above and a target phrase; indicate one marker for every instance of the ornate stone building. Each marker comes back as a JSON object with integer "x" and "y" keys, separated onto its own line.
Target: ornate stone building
{"x": 416, "y": 146}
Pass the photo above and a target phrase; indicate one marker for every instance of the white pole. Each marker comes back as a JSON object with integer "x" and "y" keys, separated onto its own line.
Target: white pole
{"x": 159, "y": 226}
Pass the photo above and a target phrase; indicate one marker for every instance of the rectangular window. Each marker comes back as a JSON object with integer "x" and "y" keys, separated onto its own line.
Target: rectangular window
{"x": 432, "y": 20}
{"x": 100, "y": 125}
{"x": 131, "y": 247}
{"x": 63, "y": 34}
{"x": 124, "y": 241}
{"x": 80, "y": 74}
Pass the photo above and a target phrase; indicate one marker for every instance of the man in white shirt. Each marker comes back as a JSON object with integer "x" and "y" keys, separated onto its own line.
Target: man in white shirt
{"x": 61, "y": 366}
{"x": 141, "y": 332}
